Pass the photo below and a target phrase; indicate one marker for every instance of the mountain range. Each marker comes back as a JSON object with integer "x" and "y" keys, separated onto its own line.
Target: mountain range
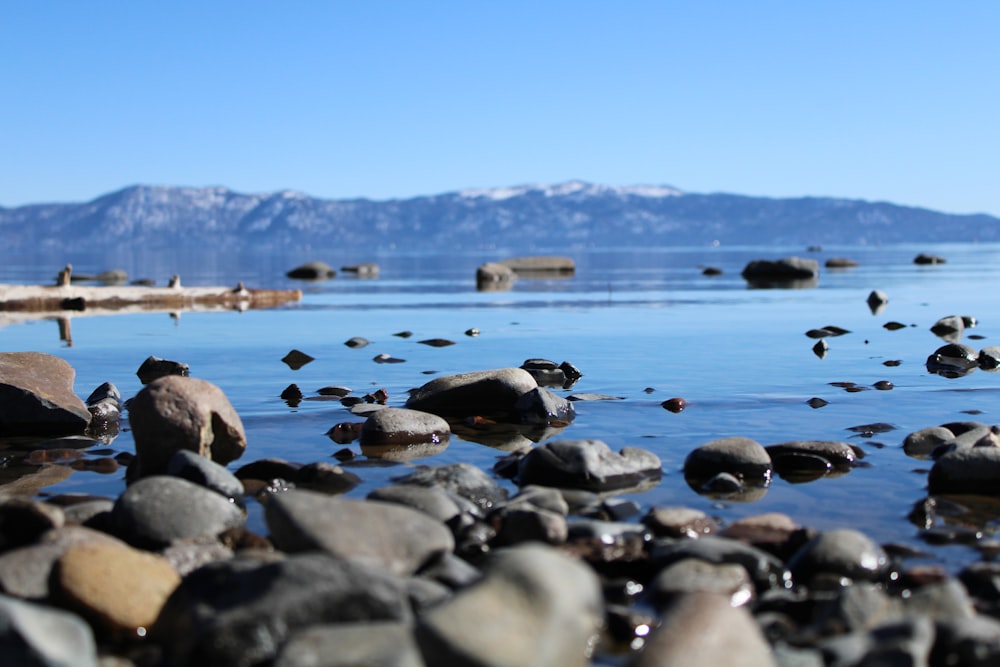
{"x": 530, "y": 217}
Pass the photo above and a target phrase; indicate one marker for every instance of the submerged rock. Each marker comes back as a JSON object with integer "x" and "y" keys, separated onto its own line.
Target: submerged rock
{"x": 312, "y": 271}
{"x": 587, "y": 464}
{"x": 745, "y": 459}
{"x": 787, "y": 272}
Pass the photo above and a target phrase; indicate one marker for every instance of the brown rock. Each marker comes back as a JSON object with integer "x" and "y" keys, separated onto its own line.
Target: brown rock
{"x": 174, "y": 413}
{"x": 119, "y": 589}
{"x": 36, "y": 396}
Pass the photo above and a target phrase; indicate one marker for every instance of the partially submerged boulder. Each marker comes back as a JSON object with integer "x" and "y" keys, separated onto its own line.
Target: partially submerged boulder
{"x": 787, "y": 272}
{"x": 312, "y": 271}
{"x": 36, "y": 396}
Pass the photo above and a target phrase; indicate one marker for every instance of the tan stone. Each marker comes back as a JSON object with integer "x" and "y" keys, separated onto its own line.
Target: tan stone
{"x": 119, "y": 589}
{"x": 36, "y": 396}
{"x": 174, "y": 413}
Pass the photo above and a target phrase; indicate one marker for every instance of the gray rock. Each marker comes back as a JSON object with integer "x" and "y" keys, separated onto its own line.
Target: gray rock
{"x": 539, "y": 264}
{"x": 541, "y": 406}
{"x": 186, "y": 557}
{"x": 705, "y": 629}
{"x": 856, "y": 608}
{"x": 36, "y": 396}
{"x": 462, "y": 479}
{"x": 312, "y": 271}
{"x": 950, "y": 328}
{"x": 240, "y": 612}
{"x": 690, "y": 575}
{"x": 743, "y": 458}
{"x": 174, "y": 413}
{"x": 974, "y": 470}
{"x": 969, "y": 642}
{"x": 522, "y": 522}
{"x": 679, "y": 522}
{"x": 989, "y": 358}
{"x": 534, "y": 607}
{"x": 492, "y": 276}
{"x": 156, "y": 511}
{"x": 945, "y": 600}
{"x": 105, "y": 403}
{"x": 396, "y": 538}
{"x": 153, "y": 368}
{"x": 953, "y": 360}
{"x": 587, "y": 464}
{"x": 396, "y": 430}
{"x": 363, "y": 270}
{"x": 920, "y": 444}
{"x": 842, "y": 552}
{"x": 764, "y": 569}
{"x": 203, "y": 472}
{"x": 839, "y": 454}
{"x": 488, "y": 393}
{"x": 38, "y": 636}
{"x": 431, "y": 500}
{"x": 380, "y": 644}
{"x": 877, "y": 301}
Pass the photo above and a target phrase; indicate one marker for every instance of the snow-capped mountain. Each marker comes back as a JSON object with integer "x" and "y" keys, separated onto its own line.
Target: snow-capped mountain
{"x": 528, "y": 217}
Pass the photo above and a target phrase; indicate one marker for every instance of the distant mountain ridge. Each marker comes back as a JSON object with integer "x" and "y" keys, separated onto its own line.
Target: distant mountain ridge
{"x": 528, "y": 217}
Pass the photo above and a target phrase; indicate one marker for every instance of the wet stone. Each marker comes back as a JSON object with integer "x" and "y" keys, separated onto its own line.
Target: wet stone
{"x": 690, "y": 575}
{"x": 357, "y": 342}
{"x": 679, "y": 522}
{"x": 842, "y": 552}
{"x": 743, "y": 458}
{"x": 765, "y": 569}
{"x": 37, "y": 397}
{"x": 589, "y": 465}
{"x": 541, "y": 406}
{"x": 401, "y": 427}
{"x": 378, "y": 644}
{"x": 492, "y": 392}
{"x": 203, "y": 472}
{"x": 32, "y": 634}
{"x": 296, "y": 359}
{"x": 23, "y": 521}
{"x": 154, "y": 367}
{"x": 974, "y": 470}
{"x": 462, "y": 479}
{"x": 312, "y": 271}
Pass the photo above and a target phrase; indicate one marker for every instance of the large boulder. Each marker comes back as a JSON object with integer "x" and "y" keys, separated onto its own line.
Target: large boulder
{"x": 787, "y": 272}
{"x": 174, "y": 413}
{"x": 589, "y": 465}
{"x": 36, "y": 396}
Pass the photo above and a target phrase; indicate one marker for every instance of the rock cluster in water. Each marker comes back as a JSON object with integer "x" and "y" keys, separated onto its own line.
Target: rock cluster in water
{"x": 445, "y": 566}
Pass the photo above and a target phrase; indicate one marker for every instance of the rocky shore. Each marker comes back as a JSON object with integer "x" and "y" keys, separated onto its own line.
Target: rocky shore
{"x": 445, "y": 566}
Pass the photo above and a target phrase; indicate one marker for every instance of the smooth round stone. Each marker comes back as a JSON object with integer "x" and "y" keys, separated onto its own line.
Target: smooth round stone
{"x": 920, "y": 444}
{"x": 692, "y": 575}
{"x": 742, "y": 457}
{"x": 204, "y": 472}
{"x": 431, "y": 500}
{"x": 587, "y": 464}
{"x": 493, "y": 392}
{"x": 771, "y": 531}
{"x": 839, "y": 454}
{"x": 379, "y": 644}
{"x": 399, "y": 428}
{"x": 158, "y": 510}
{"x": 118, "y": 588}
{"x": 989, "y": 358}
{"x": 315, "y": 270}
{"x": 975, "y": 470}
{"x": 679, "y": 522}
{"x": 32, "y": 634}
{"x": 386, "y": 535}
{"x": 842, "y": 552}
{"x": 534, "y": 607}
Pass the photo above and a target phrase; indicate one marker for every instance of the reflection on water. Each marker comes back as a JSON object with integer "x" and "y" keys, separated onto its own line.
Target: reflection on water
{"x": 642, "y": 325}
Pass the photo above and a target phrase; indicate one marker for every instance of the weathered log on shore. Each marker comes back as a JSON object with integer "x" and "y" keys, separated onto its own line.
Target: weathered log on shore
{"x": 43, "y": 298}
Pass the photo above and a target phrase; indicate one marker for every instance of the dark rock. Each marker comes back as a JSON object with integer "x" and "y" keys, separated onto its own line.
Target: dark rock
{"x": 357, "y": 341}
{"x": 924, "y": 258}
{"x": 296, "y": 359}
{"x": 312, "y": 271}
{"x": 989, "y": 358}
{"x": 974, "y": 470}
{"x": 240, "y": 612}
{"x": 339, "y": 392}
{"x": 390, "y": 536}
{"x": 953, "y": 360}
{"x": 765, "y": 569}
{"x": 539, "y": 264}
{"x": 36, "y": 635}
{"x": 292, "y": 395}
{"x": 491, "y": 393}
{"x": 174, "y": 413}
{"x": 877, "y": 301}
{"x": 534, "y": 607}
{"x": 674, "y": 405}
{"x": 401, "y": 429}
{"x": 841, "y": 263}
{"x": 155, "y": 367}
{"x": 679, "y": 522}
{"x": 969, "y": 642}
{"x": 787, "y": 272}
{"x": 36, "y": 396}
{"x": 325, "y": 478}
{"x": 589, "y": 465}
{"x": 950, "y": 328}
{"x": 437, "y": 342}
{"x": 541, "y": 406}
{"x": 158, "y": 510}
{"x": 23, "y": 521}
{"x": 795, "y": 457}
{"x": 364, "y": 270}
{"x": 494, "y": 276}
{"x": 105, "y": 403}
{"x": 691, "y": 575}
{"x": 905, "y": 641}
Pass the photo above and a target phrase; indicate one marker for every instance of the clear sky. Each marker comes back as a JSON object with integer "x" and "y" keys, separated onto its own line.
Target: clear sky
{"x": 894, "y": 100}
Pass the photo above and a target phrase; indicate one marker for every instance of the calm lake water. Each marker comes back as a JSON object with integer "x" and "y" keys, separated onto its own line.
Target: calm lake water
{"x": 642, "y": 325}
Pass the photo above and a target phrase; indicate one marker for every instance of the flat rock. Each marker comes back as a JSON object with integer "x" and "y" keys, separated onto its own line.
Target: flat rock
{"x": 534, "y": 607}
{"x": 36, "y": 396}
{"x": 175, "y": 413}
{"x": 391, "y": 536}
{"x": 159, "y": 510}
{"x": 493, "y": 393}
{"x": 587, "y": 464}
{"x": 32, "y": 634}
{"x": 540, "y": 264}
{"x": 312, "y": 271}
{"x": 119, "y": 589}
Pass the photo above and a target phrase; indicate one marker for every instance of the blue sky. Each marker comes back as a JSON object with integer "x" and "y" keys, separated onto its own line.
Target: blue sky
{"x": 889, "y": 100}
